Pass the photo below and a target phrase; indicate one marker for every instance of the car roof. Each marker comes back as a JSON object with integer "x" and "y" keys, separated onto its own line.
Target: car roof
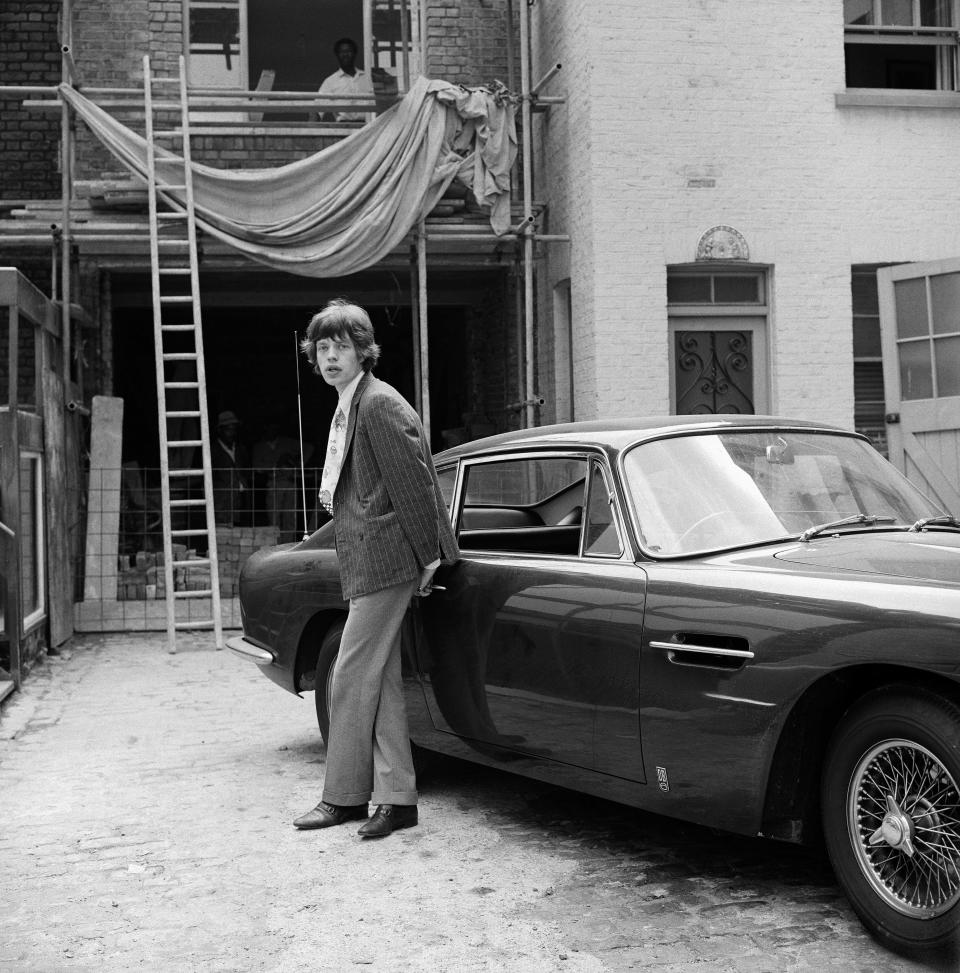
{"x": 619, "y": 433}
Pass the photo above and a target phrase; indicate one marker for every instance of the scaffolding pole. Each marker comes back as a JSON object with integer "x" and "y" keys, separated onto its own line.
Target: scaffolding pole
{"x": 415, "y": 321}
{"x": 524, "y": 233}
{"x": 66, "y": 190}
{"x": 422, "y": 324}
{"x": 525, "y": 116}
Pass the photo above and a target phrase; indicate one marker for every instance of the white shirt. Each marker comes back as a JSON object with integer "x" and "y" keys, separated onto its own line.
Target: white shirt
{"x": 336, "y": 443}
{"x": 349, "y": 85}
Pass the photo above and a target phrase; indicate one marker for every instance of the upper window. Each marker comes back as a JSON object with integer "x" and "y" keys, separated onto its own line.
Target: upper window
{"x": 900, "y": 44}
{"x": 288, "y": 45}
{"x": 697, "y": 286}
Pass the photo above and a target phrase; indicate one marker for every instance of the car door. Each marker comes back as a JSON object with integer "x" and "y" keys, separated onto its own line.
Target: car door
{"x": 533, "y": 646}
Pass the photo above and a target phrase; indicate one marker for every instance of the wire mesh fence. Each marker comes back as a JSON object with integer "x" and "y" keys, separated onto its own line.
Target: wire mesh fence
{"x": 122, "y": 557}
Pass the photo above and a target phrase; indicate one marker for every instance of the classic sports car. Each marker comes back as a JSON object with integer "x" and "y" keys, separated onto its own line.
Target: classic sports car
{"x": 744, "y": 622}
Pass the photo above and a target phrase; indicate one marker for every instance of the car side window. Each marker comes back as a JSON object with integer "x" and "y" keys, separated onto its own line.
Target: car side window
{"x": 600, "y": 536}
{"x": 524, "y": 505}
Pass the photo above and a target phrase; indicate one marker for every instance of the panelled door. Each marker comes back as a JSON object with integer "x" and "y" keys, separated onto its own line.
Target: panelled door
{"x": 920, "y": 336}
{"x": 718, "y": 365}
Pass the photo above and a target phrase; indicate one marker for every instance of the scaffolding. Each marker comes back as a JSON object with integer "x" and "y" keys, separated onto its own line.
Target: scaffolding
{"x": 223, "y": 111}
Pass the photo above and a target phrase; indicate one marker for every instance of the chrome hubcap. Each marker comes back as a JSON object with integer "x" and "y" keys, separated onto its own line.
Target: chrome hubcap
{"x": 903, "y": 810}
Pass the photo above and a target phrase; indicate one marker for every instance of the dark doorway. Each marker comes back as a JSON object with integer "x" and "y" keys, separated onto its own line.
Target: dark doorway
{"x": 252, "y": 367}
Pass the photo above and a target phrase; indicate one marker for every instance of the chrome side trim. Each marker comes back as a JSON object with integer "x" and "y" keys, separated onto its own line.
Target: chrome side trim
{"x": 247, "y": 650}
{"x": 703, "y": 649}
{"x": 738, "y": 699}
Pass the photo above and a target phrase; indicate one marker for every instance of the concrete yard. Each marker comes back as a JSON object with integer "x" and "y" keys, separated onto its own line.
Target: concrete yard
{"x": 146, "y": 803}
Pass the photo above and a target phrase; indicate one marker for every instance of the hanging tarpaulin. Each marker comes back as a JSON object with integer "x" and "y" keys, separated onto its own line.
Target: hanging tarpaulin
{"x": 346, "y": 207}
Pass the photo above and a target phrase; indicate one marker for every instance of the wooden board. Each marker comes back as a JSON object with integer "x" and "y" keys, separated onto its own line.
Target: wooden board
{"x": 56, "y": 513}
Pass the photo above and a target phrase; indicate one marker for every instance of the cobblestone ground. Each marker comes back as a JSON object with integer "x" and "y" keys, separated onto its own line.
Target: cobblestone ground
{"x": 146, "y": 803}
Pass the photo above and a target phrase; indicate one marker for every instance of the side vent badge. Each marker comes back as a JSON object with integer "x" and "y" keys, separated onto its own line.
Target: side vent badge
{"x": 662, "y": 779}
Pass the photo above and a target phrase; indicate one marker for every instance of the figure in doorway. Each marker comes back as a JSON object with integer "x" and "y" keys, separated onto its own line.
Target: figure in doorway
{"x": 232, "y": 496}
{"x": 347, "y": 81}
{"x": 276, "y": 464}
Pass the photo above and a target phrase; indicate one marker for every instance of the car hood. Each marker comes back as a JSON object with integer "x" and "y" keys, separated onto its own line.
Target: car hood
{"x": 925, "y": 556}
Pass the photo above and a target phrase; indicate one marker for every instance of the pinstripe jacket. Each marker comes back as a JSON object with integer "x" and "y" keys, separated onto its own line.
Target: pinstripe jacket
{"x": 390, "y": 518}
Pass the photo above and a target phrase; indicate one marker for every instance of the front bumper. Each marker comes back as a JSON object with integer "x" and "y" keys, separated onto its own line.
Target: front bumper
{"x": 249, "y": 651}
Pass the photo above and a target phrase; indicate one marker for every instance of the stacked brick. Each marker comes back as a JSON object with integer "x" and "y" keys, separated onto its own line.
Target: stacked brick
{"x": 466, "y": 41}
{"x": 234, "y": 546}
{"x": 145, "y": 579}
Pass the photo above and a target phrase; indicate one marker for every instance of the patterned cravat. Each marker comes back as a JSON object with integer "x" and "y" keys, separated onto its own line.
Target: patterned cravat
{"x": 334, "y": 459}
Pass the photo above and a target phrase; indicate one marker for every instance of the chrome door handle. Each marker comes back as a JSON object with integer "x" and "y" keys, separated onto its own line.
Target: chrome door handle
{"x": 705, "y": 649}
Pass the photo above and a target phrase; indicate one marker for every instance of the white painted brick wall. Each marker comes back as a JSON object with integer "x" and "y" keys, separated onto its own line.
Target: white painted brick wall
{"x": 743, "y": 93}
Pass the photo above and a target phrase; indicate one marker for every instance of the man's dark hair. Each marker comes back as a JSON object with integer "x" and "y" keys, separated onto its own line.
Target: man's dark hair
{"x": 341, "y": 318}
{"x": 346, "y": 40}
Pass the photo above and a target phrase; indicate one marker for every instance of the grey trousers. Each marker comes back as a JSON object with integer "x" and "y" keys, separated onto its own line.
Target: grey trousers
{"x": 368, "y": 754}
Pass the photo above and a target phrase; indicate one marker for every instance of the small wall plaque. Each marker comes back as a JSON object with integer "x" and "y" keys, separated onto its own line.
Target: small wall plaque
{"x": 722, "y": 243}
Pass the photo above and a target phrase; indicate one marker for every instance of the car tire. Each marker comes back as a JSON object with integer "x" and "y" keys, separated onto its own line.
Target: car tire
{"x": 423, "y": 760}
{"x": 890, "y": 802}
{"x": 329, "y": 649}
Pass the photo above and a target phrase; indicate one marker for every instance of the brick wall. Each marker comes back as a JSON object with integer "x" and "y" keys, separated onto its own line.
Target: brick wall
{"x": 29, "y": 141}
{"x": 467, "y": 41}
{"x": 561, "y": 33}
{"x": 492, "y": 349}
{"x": 111, "y": 37}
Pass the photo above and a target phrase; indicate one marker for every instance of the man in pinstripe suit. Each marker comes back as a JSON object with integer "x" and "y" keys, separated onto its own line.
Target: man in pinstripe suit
{"x": 392, "y": 530}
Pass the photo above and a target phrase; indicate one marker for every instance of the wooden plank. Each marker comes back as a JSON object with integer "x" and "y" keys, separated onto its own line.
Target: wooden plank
{"x": 57, "y": 519}
{"x": 103, "y": 503}
{"x": 16, "y": 291}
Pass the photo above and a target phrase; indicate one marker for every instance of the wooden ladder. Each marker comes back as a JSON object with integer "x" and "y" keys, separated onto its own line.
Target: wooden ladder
{"x": 186, "y": 487}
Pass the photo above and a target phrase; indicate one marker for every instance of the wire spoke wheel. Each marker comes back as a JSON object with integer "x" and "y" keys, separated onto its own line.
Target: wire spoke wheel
{"x": 903, "y": 809}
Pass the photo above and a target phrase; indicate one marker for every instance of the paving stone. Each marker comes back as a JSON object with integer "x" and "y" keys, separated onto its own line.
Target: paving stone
{"x": 146, "y": 804}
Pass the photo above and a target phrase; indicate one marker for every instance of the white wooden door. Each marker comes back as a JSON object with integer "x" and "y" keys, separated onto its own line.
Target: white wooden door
{"x": 920, "y": 335}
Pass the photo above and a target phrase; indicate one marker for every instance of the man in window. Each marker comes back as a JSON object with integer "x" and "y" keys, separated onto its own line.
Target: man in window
{"x": 348, "y": 81}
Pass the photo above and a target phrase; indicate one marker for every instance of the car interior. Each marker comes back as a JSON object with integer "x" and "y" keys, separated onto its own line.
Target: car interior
{"x": 551, "y": 526}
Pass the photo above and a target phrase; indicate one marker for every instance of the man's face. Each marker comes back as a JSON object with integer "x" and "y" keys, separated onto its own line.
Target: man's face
{"x": 346, "y": 57}
{"x": 228, "y": 434}
{"x": 338, "y": 360}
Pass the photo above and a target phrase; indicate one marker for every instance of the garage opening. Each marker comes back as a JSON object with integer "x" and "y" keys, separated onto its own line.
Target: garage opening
{"x": 251, "y": 323}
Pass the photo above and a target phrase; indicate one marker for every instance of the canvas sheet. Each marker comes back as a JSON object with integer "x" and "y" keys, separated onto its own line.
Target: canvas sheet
{"x": 347, "y": 206}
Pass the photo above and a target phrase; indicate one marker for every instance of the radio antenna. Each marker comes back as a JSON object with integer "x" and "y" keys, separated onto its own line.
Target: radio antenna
{"x": 303, "y": 476}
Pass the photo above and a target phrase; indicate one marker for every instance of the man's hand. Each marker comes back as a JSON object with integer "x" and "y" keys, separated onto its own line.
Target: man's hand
{"x": 426, "y": 579}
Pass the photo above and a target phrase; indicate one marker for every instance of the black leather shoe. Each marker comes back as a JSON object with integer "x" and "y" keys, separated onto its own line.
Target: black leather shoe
{"x": 326, "y": 815}
{"x": 389, "y": 818}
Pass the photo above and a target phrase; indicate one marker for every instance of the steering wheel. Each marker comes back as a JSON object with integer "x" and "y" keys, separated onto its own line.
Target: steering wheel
{"x": 699, "y": 523}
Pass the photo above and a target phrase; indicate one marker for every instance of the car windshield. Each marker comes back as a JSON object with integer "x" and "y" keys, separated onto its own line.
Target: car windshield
{"x": 708, "y": 492}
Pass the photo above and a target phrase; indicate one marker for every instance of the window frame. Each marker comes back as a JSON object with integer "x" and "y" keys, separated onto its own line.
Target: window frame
{"x": 709, "y": 316}
{"x": 405, "y": 70}
{"x": 589, "y": 456}
{"x": 946, "y": 39}
{"x": 598, "y": 464}
{"x": 39, "y": 613}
